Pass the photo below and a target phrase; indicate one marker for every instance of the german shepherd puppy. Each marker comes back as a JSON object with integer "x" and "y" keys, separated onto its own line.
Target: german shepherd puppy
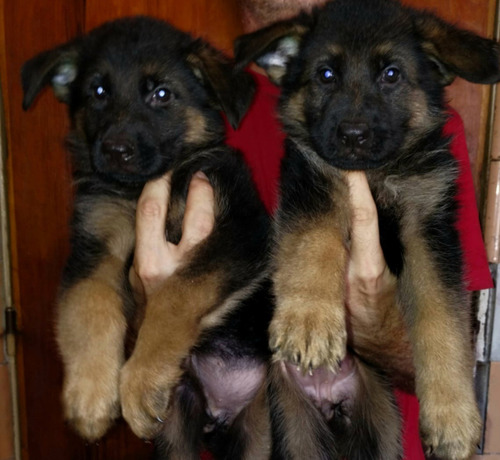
{"x": 144, "y": 99}
{"x": 363, "y": 89}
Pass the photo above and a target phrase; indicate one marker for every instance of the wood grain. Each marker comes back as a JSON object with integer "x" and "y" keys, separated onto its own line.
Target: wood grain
{"x": 470, "y": 100}
{"x": 40, "y": 189}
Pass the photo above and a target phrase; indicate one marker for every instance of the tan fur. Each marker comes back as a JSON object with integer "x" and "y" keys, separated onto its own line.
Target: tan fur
{"x": 170, "y": 329}
{"x": 420, "y": 115}
{"x": 298, "y": 418}
{"x": 196, "y": 127}
{"x": 372, "y": 405}
{"x": 92, "y": 361}
{"x": 440, "y": 42}
{"x": 293, "y": 109}
{"x": 420, "y": 196}
{"x": 409, "y": 181}
{"x": 112, "y": 220}
{"x": 383, "y": 49}
{"x": 391, "y": 335}
{"x": 256, "y": 423}
{"x": 423, "y": 120}
{"x": 334, "y": 49}
{"x": 449, "y": 416}
{"x": 308, "y": 327}
{"x": 180, "y": 448}
{"x": 216, "y": 317}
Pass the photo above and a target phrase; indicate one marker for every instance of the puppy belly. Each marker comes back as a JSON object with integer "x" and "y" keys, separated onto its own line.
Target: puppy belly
{"x": 327, "y": 390}
{"x": 228, "y": 385}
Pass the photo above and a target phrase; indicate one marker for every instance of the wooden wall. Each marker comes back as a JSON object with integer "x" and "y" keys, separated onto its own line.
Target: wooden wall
{"x": 40, "y": 192}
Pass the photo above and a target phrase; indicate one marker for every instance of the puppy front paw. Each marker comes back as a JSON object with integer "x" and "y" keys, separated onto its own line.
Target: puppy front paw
{"x": 309, "y": 338}
{"x": 451, "y": 430}
{"x": 91, "y": 401}
{"x": 145, "y": 393}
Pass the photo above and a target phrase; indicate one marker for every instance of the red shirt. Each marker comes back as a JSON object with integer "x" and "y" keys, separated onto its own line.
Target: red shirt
{"x": 260, "y": 139}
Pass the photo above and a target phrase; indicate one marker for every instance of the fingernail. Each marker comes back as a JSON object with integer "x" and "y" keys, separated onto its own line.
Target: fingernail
{"x": 201, "y": 175}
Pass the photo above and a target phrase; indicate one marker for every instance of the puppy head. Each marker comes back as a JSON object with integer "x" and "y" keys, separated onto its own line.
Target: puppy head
{"x": 362, "y": 80}
{"x": 140, "y": 94}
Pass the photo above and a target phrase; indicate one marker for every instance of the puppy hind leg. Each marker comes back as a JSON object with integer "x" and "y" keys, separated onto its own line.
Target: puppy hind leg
{"x": 299, "y": 429}
{"x": 439, "y": 322}
{"x": 374, "y": 428}
{"x": 249, "y": 437}
{"x": 90, "y": 331}
{"x": 181, "y": 437}
{"x": 349, "y": 414}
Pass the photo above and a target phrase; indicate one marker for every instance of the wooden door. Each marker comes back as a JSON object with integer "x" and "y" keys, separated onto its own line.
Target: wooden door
{"x": 40, "y": 190}
{"x": 41, "y": 202}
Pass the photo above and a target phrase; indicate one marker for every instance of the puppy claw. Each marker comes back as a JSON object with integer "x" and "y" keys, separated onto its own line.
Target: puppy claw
{"x": 145, "y": 393}
{"x": 451, "y": 430}
{"x": 91, "y": 405}
{"x": 308, "y": 340}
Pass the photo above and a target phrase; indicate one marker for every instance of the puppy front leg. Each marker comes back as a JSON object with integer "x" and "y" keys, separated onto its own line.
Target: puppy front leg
{"x": 439, "y": 326}
{"x": 90, "y": 332}
{"x": 171, "y": 327}
{"x": 308, "y": 326}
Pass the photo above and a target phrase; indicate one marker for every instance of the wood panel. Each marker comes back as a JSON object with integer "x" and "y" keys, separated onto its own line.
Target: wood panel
{"x": 215, "y": 20}
{"x": 40, "y": 198}
{"x": 41, "y": 203}
{"x": 470, "y": 100}
{"x": 39, "y": 186}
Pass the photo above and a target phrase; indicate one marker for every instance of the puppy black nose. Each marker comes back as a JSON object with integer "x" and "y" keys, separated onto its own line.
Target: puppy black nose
{"x": 354, "y": 135}
{"x": 117, "y": 148}
{"x": 117, "y": 152}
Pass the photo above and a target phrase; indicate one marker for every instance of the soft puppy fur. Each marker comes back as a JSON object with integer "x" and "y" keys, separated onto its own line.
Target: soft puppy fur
{"x": 144, "y": 99}
{"x": 363, "y": 89}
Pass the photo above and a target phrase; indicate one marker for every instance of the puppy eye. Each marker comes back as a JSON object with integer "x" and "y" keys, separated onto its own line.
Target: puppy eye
{"x": 100, "y": 92}
{"x": 161, "y": 96}
{"x": 391, "y": 75}
{"x": 326, "y": 75}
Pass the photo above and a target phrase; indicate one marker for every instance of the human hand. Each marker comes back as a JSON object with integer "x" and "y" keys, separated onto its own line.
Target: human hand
{"x": 155, "y": 259}
{"x": 376, "y": 326}
{"x": 371, "y": 287}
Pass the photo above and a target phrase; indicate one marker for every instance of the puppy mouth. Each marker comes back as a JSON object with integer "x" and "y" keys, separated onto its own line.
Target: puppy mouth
{"x": 120, "y": 159}
{"x": 353, "y": 159}
{"x": 353, "y": 145}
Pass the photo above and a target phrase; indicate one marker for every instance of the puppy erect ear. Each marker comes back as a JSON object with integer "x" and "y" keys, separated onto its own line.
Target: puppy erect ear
{"x": 57, "y": 67}
{"x": 231, "y": 90}
{"x": 458, "y": 52}
{"x": 271, "y": 47}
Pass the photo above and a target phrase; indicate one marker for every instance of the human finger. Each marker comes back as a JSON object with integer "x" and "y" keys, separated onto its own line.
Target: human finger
{"x": 151, "y": 242}
{"x": 199, "y": 215}
{"x": 365, "y": 252}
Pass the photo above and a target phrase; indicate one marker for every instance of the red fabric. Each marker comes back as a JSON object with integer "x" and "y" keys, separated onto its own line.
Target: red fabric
{"x": 477, "y": 273}
{"x": 260, "y": 139}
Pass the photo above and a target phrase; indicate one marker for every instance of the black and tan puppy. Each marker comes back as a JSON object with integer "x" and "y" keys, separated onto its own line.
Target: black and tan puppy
{"x": 144, "y": 99}
{"x": 362, "y": 89}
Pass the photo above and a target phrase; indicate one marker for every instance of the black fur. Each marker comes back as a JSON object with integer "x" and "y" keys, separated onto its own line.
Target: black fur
{"x": 363, "y": 89}
{"x": 144, "y": 99}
